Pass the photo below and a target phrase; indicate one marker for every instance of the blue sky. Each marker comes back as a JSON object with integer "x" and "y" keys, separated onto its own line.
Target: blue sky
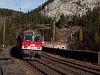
{"x": 25, "y": 5}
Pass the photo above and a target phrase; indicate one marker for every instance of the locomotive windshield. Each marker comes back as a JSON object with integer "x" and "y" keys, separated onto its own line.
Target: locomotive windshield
{"x": 38, "y": 38}
{"x": 28, "y": 37}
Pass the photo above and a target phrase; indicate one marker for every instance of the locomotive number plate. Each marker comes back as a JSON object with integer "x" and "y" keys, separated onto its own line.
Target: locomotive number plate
{"x": 32, "y": 45}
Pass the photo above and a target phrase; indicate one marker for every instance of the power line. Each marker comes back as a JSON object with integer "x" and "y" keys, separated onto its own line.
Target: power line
{"x": 18, "y": 5}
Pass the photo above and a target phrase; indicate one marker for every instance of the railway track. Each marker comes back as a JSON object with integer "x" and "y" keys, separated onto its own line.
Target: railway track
{"x": 53, "y": 65}
{"x": 50, "y": 64}
{"x": 95, "y": 70}
{"x": 48, "y": 69}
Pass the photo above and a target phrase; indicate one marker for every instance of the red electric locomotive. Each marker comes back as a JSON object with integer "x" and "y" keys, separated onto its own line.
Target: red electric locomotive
{"x": 29, "y": 44}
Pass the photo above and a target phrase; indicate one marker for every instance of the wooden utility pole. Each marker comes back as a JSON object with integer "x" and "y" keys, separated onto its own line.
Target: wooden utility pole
{"x": 4, "y": 34}
{"x": 54, "y": 32}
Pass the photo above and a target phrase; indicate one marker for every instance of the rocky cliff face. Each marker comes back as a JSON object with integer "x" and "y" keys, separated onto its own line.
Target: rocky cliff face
{"x": 69, "y": 7}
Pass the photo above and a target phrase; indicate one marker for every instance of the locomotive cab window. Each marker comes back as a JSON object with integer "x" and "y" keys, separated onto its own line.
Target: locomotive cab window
{"x": 28, "y": 38}
{"x": 38, "y": 38}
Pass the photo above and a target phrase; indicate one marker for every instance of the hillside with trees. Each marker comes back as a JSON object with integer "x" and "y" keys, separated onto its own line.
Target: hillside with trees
{"x": 88, "y": 38}
{"x": 89, "y": 34}
{"x": 5, "y": 16}
{"x": 17, "y": 22}
{"x": 91, "y": 30}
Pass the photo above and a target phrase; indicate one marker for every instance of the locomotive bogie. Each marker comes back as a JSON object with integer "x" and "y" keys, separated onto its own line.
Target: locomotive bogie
{"x": 30, "y": 52}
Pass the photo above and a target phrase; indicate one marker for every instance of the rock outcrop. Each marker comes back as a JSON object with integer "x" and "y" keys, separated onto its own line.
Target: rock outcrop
{"x": 69, "y": 7}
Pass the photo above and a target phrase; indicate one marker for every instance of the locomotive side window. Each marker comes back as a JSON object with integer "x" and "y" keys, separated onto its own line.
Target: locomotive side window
{"x": 38, "y": 38}
{"x": 28, "y": 37}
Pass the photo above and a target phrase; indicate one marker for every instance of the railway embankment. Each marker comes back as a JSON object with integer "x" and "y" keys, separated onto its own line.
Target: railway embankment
{"x": 7, "y": 65}
{"x": 87, "y": 56}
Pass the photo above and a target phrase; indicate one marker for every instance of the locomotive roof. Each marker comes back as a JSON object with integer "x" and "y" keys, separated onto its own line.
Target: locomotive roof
{"x": 30, "y": 32}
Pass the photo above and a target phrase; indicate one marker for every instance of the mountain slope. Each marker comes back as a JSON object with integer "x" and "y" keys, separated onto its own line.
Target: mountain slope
{"x": 69, "y": 7}
{"x": 8, "y": 12}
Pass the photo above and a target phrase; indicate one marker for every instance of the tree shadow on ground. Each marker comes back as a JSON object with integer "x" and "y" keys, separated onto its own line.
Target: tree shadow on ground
{"x": 15, "y": 53}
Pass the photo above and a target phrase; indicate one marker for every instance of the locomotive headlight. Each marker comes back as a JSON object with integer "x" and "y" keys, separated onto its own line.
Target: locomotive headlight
{"x": 38, "y": 47}
{"x": 25, "y": 46}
